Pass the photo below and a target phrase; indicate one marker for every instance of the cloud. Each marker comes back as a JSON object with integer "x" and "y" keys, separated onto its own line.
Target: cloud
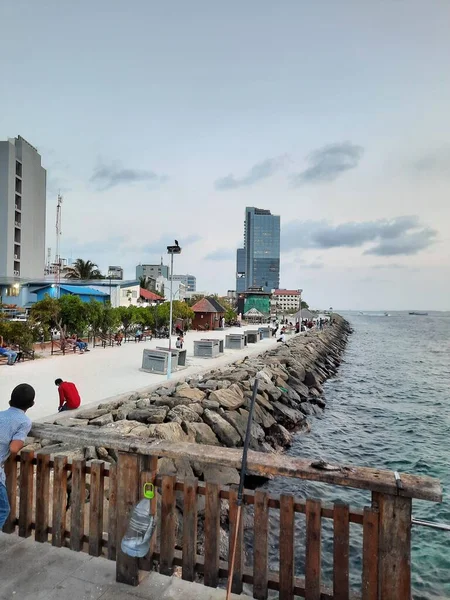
{"x": 403, "y": 235}
{"x": 258, "y": 172}
{"x": 328, "y": 163}
{"x": 221, "y": 254}
{"x": 108, "y": 176}
{"x": 435, "y": 163}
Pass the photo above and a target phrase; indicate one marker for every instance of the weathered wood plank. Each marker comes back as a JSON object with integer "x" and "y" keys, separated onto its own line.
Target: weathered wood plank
{"x": 77, "y": 504}
{"x": 287, "y": 517}
{"x": 167, "y": 543}
{"x": 112, "y": 513}
{"x": 341, "y": 549}
{"x": 379, "y": 480}
{"x": 127, "y": 568}
{"x": 26, "y": 493}
{"x": 149, "y": 466}
{"x": 313, "y": 550}
{"x": 189, "y": 529}
{"x": 212, "y": 534}
{"x": 394, "y": 557}
{"x": 236, "y": 586}
{"x": 260, "y": 546}
{"x": 370, "y": 555}
{"x": 96, "y": 507}
{"x": 11, "y": 487}
{"x": 42, "y": 496}
{"x": 59, "y": 500}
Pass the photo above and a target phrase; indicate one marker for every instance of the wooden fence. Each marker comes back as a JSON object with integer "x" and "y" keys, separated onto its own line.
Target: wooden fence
{"x": 51, "y": 501}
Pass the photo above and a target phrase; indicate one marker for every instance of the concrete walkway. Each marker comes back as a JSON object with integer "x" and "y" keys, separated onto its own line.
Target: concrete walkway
{"x": 33, "y": 571}
{"x": 107, "y": 372}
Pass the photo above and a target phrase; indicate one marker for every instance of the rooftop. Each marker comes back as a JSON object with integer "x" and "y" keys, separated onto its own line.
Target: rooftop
{"x": 286, "y": 293}
{"x": 208, "y": 305}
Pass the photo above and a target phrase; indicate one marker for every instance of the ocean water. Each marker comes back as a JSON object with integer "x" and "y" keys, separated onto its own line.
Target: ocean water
{"x": 388, "y": 407}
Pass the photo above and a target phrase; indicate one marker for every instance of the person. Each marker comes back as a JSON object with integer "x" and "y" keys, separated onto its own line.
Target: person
{"x": 118, "y": 338}
{"x": 83, "y": 347}
{"x": 69, "y": 398}
{"x": 297, "y": 327}
{"x": 14, "y": 428}
{"x": 8, "y": 352}
{"x": 282, "y": 337}
{"x": 179, "y": 342}
{"x": 138, "y": 335}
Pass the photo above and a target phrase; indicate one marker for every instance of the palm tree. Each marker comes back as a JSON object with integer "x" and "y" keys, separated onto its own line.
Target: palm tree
{"x": 143, "y": 282}
{"x": 84, "y": 269}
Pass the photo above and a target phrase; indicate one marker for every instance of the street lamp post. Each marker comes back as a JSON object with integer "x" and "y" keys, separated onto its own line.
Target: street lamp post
{"x": 171, "y": 250}
{"x": 300, "y": 291}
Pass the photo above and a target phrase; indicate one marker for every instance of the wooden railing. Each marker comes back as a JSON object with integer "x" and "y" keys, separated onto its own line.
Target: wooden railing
{"x": 43, "y": 505}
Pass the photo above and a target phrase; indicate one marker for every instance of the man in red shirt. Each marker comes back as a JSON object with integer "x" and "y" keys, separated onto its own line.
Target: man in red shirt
{"x": 69, "y": 398}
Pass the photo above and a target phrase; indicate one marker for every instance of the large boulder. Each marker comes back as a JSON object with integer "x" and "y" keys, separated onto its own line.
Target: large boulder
{"x": 203, "y": 434}
{"x": 226, "y": 433}
{"x": 168, "y": 431}
{"x": 123, "y": 427}
{"x": 287, "y": 416}
{"x": 211, "y": 404}
{"x": 231, "y": 398}
{"x": 182, "y": 413}
{"x": 279, "y": 436}
{"x": 122, "y": 411}
{"x": 192, "y": 394}
{"x": 92, "y": 413}
{"x": 102, "y": 420}
{"x": 271, "y": 390}
{"x": 263, "y": 401}
{"x": 239, "y": 420}
{"x": 69, "y": 422}
{"x": 155, "y": 414}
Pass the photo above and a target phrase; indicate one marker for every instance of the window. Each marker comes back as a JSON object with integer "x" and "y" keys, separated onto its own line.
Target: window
{"x": 18, "y": 186}
{"x": 18, "y": 202}
{"x": 18, "y": 168}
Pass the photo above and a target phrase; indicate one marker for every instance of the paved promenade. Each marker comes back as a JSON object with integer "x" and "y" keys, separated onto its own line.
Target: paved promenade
{"x": 33, "y": 571}
{"x": 107, "y": 372}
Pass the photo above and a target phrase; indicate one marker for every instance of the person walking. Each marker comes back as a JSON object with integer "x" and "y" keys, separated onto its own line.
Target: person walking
{"x": 69, "y": 398}
{"x": 14, "y": 428}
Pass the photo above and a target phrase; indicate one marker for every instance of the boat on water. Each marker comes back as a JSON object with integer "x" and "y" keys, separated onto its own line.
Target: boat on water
{"x": 419, "y": 314}
{"x": 387, "y": 314}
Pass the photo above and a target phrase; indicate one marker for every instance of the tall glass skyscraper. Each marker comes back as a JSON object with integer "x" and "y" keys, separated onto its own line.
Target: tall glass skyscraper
{"x": 258, "y": 263}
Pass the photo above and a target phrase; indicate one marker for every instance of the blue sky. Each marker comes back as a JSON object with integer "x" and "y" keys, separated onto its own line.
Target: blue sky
{"x": 164, "y": 120}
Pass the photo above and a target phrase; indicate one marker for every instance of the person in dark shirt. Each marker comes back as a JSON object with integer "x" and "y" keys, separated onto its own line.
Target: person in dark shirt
{"x": 69, "y": 398}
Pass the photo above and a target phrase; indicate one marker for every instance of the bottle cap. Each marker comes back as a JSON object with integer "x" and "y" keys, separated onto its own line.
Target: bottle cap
{"x": 149, "y": 491}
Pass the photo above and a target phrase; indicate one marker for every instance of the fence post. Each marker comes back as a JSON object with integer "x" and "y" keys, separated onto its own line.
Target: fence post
{"x": 394, "y": 556}
{"x": 26, "y": 493}
{"x": 127, "y": 568}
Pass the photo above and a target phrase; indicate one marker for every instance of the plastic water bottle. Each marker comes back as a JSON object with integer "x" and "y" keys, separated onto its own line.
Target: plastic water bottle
{"x": 136, "y": 541}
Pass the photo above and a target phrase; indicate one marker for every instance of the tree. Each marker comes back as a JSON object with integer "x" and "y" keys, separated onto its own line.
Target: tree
{"x": 127, "y": 316}
{"x": 305, "y": 304}
{"x": 84, "y": 270}
{"x": 74, "y": 314}
{"x": 47, "y": 314}
{"x": 230, "y": 315}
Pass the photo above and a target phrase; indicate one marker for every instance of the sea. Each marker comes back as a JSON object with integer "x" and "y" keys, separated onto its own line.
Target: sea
{"x": 388, "y": 407}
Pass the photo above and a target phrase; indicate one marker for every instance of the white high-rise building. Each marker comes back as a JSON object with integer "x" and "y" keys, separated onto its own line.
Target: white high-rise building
{"x": 22, "y": 210}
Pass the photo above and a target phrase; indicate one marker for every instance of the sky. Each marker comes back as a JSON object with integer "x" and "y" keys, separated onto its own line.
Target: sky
{"x": 164, "y": 120}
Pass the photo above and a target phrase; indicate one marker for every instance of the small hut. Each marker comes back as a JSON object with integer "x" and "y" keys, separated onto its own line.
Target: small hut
{"x": 254, "y": 316}
{"x": 208, "y": 313}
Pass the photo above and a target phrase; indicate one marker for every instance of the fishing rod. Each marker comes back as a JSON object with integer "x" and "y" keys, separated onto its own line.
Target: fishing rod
{"x": 259, "y": 376}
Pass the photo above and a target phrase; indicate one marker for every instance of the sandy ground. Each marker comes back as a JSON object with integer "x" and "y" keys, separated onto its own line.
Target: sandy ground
{"x": 107, "y": 372}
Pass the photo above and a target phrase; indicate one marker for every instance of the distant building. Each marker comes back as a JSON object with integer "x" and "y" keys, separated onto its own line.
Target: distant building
{"x": 115, "y": 272}
{"x": 163, "y": 287}
{"x": 22, "y": 211}
{"x": 189, "y": 281}
{"x": 286, "y": 300}
{"x": 254, "y": 298}
{"x": 208, "y": 313}
{"x": 258, "y": 262}
{"x": 85, "y": 293}
{"x": 152, "y": 271}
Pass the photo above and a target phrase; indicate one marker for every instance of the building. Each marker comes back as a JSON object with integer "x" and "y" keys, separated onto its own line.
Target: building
{"x": 162, "y": 287}
{"x": 23, "y": 211}
{"x": 286, "y": 300}
{"x": 148, "y": 298}
{"x": 85, "y": 293}
{"x": 208, "y": 313}
{"x": 152, "y": 271}
{"x": 258, "y": 262}
{"x": 115, "y": 272}
{"x": 189, "y": 281}
{"x": 255, "y": 298}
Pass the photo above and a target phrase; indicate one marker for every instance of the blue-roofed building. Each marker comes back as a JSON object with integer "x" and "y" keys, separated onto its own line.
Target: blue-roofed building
{"x": 85, "y": 293}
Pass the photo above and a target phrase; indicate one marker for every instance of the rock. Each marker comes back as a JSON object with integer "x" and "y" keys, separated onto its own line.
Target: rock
{"x": 231, "y": 398}
{"x": 123, "y": 411}
{"x": 70, "y": 422}
{"x": 101, "y": 421}
{"x": 140, "y": 431}
{"x": 122, "y": 427}
{"x": 301, "y": 389}
{"x": 217, "y": 474}
{"x": 202, "y": 433}
{"x": 311, "y": 379}
{"x": 226, "y": 433}
{"x": 134, "y": 397}
{"x": 193, "y": 394}
{"x": 183, "y": 413}
{"x": 279, "y": 436}
{"x": 262, "y": 400}
{"x": 155, "y": 414}
{"x": 272, "y": 391}
{"x": 111, "y": 405}
{"x": 90, "y": 453}
{"x": 164, "y": 401}
{"x": 92, "y": 413}
{"x": 198, "y": 408}
{"x": 239, "y": 420}
{"x": 143, "y": 403}
{"x": 207, "y": 385}
{"x": 211, "y": 404}
{"x": 102, "y": 453}
{"x": 168, "y": 431}
{"x": 306, "y": 408}
{"x": 261, "y": 416}
{"x": 314, "y": 392}
{"x": 45, "y": 442}
{"x": 289, "y": 417}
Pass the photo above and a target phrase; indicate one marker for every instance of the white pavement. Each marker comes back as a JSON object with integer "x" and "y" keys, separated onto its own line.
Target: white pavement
{"x": 107, "y": 372}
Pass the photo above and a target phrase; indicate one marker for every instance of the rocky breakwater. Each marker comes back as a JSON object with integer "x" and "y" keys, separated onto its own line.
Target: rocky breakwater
{"x": 213, "y": 409}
